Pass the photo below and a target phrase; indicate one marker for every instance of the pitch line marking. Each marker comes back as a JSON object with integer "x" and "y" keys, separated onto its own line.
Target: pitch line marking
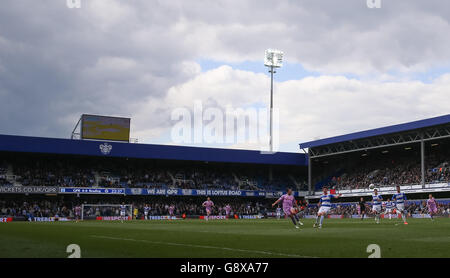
{"x": 204, "y": 246}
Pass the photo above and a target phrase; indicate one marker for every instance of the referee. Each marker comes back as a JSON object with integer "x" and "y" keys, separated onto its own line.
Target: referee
{"x": 362, "y": 207}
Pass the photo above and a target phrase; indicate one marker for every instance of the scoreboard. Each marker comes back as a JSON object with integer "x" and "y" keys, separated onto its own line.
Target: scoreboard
{"x": 105, "y": 128}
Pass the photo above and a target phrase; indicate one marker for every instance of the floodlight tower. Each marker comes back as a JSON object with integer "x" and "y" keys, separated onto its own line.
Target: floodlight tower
{"x": 272, "y": 59}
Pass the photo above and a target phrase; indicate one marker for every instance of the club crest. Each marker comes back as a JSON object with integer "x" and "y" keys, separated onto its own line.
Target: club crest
{"x": 105, "y": 148}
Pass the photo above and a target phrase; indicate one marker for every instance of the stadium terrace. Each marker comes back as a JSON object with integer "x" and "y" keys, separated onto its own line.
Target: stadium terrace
{"x": 414, "y": 155}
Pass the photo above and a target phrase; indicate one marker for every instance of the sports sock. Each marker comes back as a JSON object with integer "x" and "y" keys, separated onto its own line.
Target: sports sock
{"x": 321, "y": 220}
{"x": 293, "y": 221}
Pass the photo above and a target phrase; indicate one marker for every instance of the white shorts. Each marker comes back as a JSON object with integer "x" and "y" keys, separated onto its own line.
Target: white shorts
{"x": 323, "y": 209}
{"x": 389, "y": 211}
{"x": 122, "y": 213}
{"x": 145, "y": 213}
{"x": 376, "y": 208}
{"x": 400, "y": 207}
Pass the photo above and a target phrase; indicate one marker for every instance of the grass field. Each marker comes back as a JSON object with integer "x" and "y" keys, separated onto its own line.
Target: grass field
{"x": 226, "y": 238}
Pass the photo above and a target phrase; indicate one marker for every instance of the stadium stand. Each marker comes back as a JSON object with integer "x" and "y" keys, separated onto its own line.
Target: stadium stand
{"x": 391, "y": 169}
{"x": 48, "y": 177}
{"x": 406, "y": 154}
{"x": 48, "y": 170}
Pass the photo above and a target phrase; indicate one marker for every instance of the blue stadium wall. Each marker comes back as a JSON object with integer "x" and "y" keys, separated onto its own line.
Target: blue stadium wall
{"x": 28, "y": 144}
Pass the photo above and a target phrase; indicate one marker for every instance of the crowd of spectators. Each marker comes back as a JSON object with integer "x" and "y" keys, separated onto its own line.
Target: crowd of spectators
{"x": 64, "y": 208}
{"x": 240, "y": 207}
{"x": 180, "y": 207}
{"x": 3, "y": 170}
{"x": 191, "y": 207}
{"x": 116, "y": 173}
{"x": 41, "y": 208}
{"x": 401, "y": 171}
{"x": 51, "y": 172}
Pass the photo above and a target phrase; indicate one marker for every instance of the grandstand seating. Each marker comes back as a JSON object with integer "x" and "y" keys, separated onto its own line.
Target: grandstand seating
{"x": 386, "y": 170}
{"x": 69, "y": 171}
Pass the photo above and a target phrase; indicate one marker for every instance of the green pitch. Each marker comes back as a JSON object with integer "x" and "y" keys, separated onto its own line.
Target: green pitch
{"x": 230, "y": 238}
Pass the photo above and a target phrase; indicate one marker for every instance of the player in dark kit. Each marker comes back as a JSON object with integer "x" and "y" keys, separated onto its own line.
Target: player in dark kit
{"x": 362, "y": 208}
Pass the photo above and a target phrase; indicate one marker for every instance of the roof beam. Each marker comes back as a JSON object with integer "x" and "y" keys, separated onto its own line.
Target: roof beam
{"x": 384, "y": 141}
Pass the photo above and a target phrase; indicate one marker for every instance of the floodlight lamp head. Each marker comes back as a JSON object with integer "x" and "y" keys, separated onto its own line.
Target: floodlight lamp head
{"x": 273, "y": 58}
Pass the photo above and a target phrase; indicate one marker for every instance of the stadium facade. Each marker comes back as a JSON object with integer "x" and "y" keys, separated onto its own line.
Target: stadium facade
{"x": 340, "y": 148}
{"x": 20, "y": 145}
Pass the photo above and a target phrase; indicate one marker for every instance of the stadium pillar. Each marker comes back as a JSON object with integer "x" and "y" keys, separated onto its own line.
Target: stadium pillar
{"x": 422, "y": 160}
{"x": 271, "y": 108}
{"x": 273, "y": 59}
{"x": 309, "y": 174}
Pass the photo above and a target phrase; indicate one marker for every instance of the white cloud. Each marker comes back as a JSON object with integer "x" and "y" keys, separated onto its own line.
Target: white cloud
{"x": 223, "y": 85}
{"x": 138, "y": 58}
{"x": 318, "y": 106}
{"x": 106, "y": 13}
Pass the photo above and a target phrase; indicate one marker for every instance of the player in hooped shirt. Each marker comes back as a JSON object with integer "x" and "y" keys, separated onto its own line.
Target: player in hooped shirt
{"x": 123, "y": 209}
{"x": 289, "y": 202}
{"x": 208, "y": 205}
{"x": 432, "y": 206}
{"x": 146, "y": 211}
{"x": 324, "y": 206}
{"x": 376, "y": 205}
{"x": 389, "y": 206}
{"x": 400, "y": 199}
{"x": 278, "y": 211}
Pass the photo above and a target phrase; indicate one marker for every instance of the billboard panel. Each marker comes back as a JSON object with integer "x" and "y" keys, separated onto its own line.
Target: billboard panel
{"x": 105, "y": 128}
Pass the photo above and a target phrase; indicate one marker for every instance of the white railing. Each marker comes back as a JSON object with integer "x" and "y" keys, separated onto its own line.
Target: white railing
{"x": 416, "y": 188}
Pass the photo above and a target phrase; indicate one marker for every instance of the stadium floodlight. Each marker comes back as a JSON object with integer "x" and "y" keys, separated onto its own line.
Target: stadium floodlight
{"x": 272, "y": 59}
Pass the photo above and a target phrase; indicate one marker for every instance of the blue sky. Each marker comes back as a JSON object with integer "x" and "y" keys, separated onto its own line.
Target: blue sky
{"x": 295, "y": 71}
{"x": 289, "y": 71}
